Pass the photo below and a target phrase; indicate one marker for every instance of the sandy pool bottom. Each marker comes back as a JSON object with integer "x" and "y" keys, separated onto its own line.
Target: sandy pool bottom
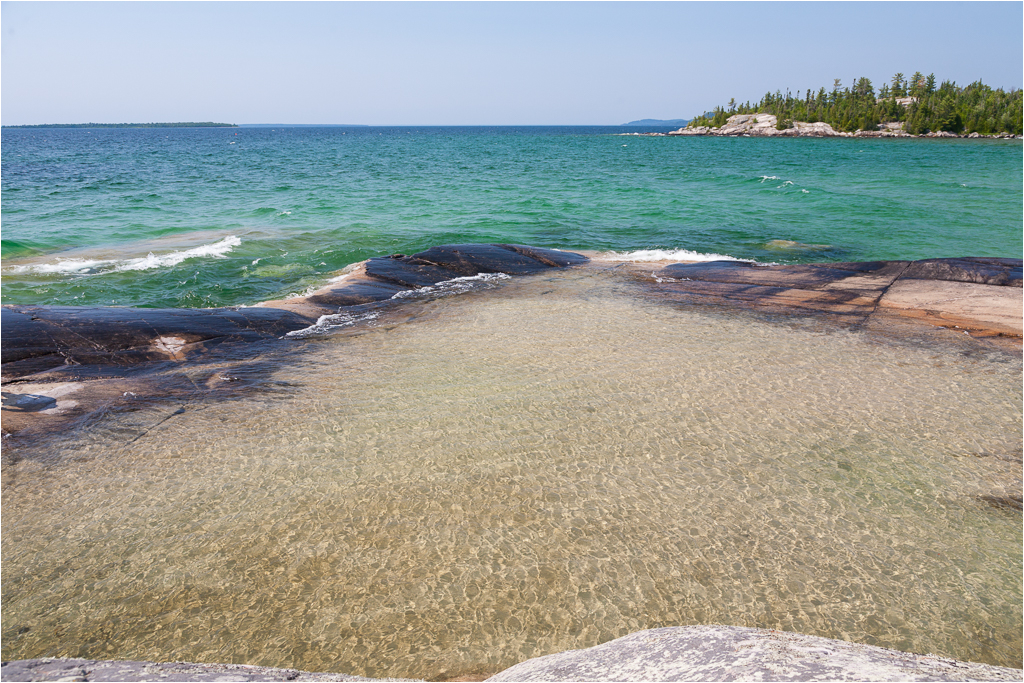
{"x": 543, "y": 466}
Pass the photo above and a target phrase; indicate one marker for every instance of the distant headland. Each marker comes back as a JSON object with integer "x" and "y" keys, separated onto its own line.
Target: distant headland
{"x": 182, "y": 124}
{"x": 658, "y": 122}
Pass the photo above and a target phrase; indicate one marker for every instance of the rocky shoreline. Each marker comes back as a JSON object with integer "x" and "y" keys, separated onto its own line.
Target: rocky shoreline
{"x": 60, "y": 364}
{"x": 681, "y": 653}
{"x": 765, "y": 126}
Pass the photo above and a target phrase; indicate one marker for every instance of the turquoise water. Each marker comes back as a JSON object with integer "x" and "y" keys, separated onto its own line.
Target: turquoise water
{"x": 208, "y": 217}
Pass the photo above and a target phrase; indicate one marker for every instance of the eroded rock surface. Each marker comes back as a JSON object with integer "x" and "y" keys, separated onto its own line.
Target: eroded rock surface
{"x": 49, "y": 669}
{"x": 732, "y": 653}
{"x": 982, "y": 296}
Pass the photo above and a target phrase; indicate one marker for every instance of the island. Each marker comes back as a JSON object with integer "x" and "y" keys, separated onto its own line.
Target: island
{"x": 914, "y": 107}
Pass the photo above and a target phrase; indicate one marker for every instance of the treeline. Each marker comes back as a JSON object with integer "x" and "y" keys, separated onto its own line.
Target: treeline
{"x": 184, "y": 124}
{"x": 922, "y": 106}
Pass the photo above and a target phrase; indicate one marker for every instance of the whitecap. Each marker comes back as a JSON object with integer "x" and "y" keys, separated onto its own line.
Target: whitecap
{"x": 79, "y": 266}
{"x": 662, "y": 255}
{"x": 62, "y": 265}
{"x": 766, "y": 178}
{"x": 216, "y": 250}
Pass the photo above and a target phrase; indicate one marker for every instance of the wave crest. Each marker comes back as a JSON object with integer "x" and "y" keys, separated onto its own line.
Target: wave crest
{"x": 78, "y": 266}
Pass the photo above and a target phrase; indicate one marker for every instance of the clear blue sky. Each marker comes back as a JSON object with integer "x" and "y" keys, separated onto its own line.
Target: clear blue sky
{"x": 472, "y": 63}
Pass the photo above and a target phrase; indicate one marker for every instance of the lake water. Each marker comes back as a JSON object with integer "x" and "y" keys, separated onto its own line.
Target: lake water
{"x": 541, "y": 463}
{"x": 211, "y": 217}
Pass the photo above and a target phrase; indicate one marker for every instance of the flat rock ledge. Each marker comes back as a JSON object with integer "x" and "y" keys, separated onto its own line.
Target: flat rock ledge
{"x": 733, "y": 653}
{"x": 977, "y": 295}
{"x": 682, "y": 653}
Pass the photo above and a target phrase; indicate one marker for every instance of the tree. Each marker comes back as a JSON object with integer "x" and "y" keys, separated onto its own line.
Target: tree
{"x": 897, "y": 85}
{"x": 863, "y": 88}
{"x": 929, "y": 84}
{"x": 917, "y": 84}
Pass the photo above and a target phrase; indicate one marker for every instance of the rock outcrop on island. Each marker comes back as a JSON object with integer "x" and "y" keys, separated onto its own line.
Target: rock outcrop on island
{"x": 681, "y": 653}
{"x": 766, "y": 126}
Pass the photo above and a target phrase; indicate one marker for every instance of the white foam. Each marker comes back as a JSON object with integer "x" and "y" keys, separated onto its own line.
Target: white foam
{"x": 61, "y": 265}
{"x": 643, "y": 255}
{"x": 766, "y": 178}
{"x": 326, "y": 323}
{"x": 456, "y": 285}
{"x": 216, "y": 250}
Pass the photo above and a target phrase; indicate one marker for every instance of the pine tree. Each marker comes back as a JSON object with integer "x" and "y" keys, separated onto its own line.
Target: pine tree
{"x": 897, "y": 85}
{"x": 917, "y": 84}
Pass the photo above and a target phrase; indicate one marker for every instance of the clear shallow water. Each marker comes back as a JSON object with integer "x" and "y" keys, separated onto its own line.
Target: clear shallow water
{"x": 542, "y": 466}
{"x": 208, "y": 217}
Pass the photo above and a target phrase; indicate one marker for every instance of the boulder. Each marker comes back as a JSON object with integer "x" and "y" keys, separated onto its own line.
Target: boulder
{"x": 733, "y": 653}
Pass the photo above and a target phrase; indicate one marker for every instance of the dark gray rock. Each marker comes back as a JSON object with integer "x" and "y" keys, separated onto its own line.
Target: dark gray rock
{"x": 473, "y": 259}
{"x": 356, "y": 293}
{"x": 732, "y": 653}
{"x": 408, "y": 271}
{"x": 27, "y": 403}
{"x": 985, "y": 271}
{"x": 38, "y": 338}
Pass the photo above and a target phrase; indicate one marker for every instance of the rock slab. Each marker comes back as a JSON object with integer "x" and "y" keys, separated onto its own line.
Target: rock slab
{"x": 733, "y": 653}
{"x": 979, "y": 294}
{"x": 60, "y": 669}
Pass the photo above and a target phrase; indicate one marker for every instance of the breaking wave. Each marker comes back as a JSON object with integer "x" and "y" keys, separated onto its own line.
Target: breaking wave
{"x": 78, "y": 266}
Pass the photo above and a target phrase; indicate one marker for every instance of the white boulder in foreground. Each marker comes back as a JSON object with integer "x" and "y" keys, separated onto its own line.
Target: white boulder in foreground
{"x": 681, "y": 653}
{"x": 733, "y": 653}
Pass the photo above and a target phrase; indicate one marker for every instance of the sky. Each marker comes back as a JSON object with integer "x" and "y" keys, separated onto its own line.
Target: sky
{"x": 473, "y": 63}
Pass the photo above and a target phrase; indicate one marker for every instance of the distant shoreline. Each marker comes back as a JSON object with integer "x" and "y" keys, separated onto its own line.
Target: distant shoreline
{"x": 189, "y": 124}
